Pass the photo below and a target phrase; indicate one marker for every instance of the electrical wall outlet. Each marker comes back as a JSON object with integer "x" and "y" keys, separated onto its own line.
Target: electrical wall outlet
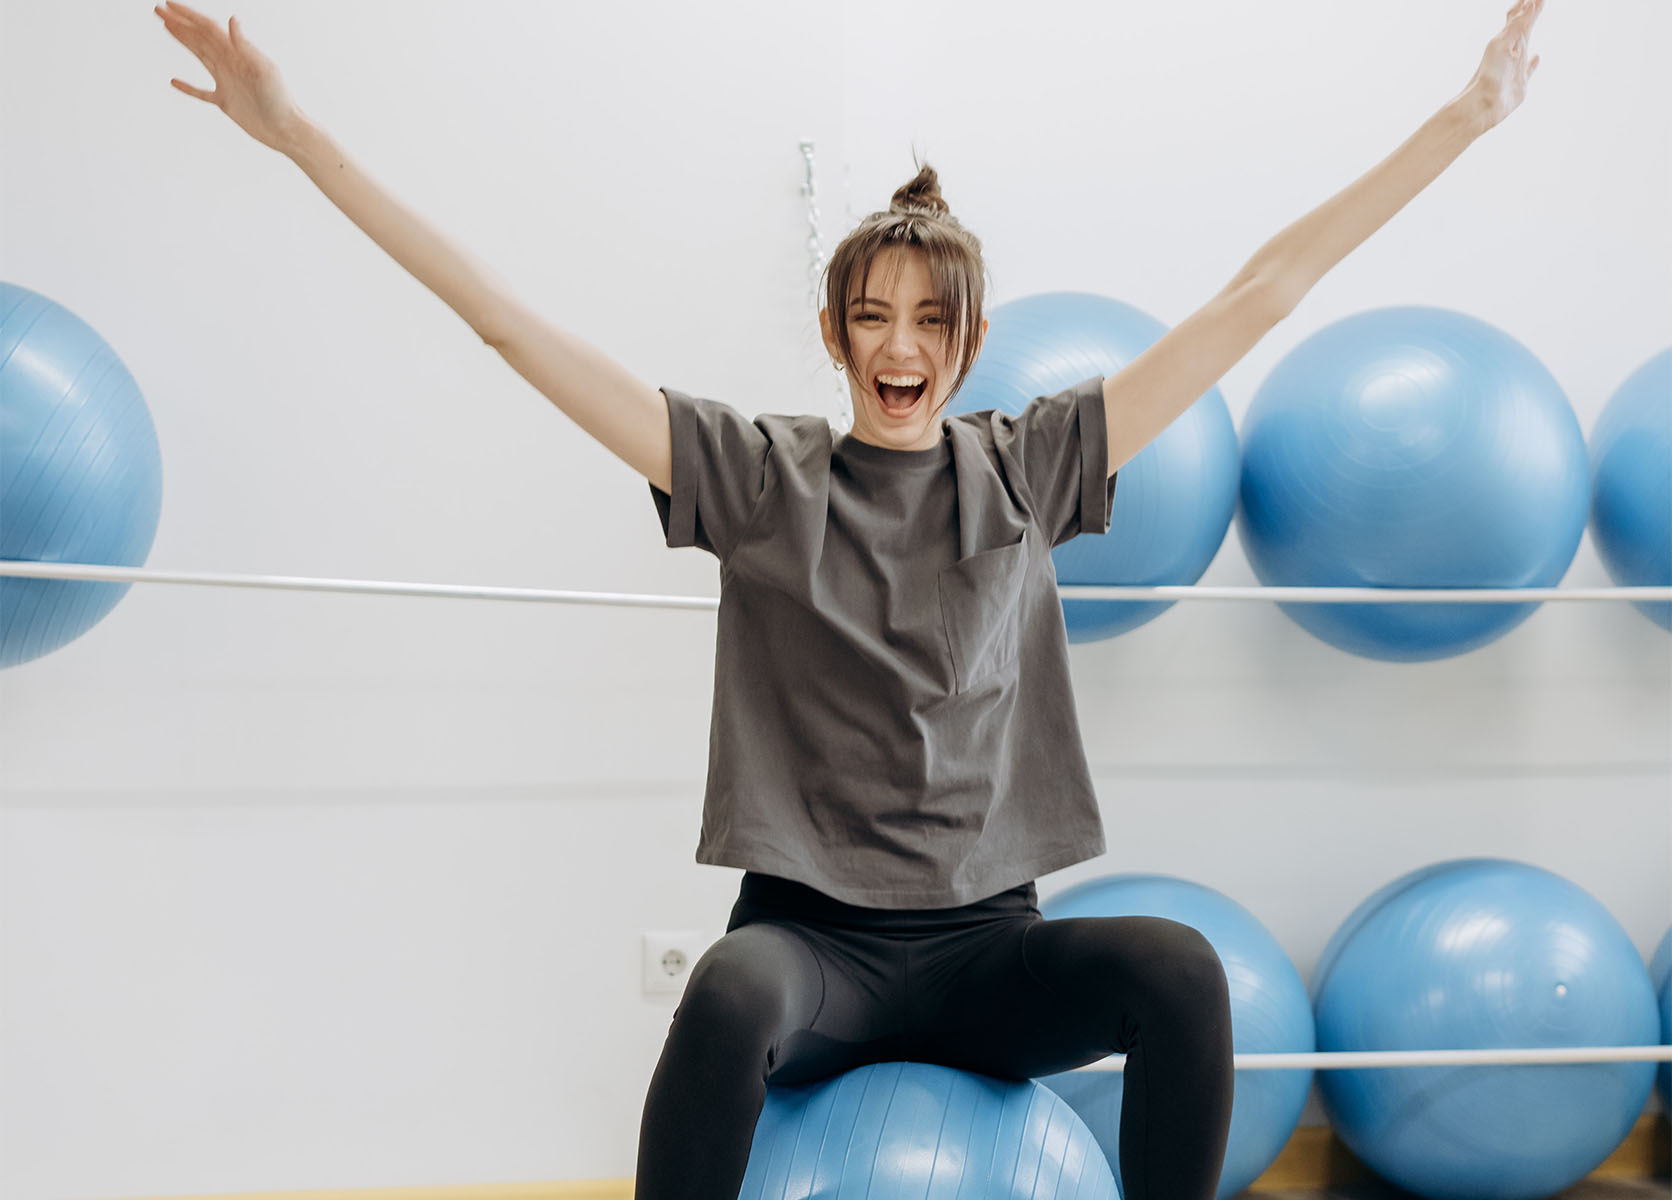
{"x": 669, "y": 955}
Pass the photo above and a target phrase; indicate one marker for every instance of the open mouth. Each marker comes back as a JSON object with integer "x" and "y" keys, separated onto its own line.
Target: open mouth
{"x": 899, "y": 392}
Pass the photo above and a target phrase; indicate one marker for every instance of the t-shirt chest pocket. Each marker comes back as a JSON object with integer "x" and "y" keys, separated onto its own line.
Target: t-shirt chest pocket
{"x": 981, "y": 611}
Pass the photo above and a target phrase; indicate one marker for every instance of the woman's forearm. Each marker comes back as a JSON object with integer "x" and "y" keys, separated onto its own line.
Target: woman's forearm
{"x": 1298, "y": 257}
{"x": 603, "y": 398}
{"x": 467, "y": 285}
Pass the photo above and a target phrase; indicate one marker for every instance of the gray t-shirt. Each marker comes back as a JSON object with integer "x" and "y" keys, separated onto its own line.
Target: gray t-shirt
{"x": 893, "y": 721}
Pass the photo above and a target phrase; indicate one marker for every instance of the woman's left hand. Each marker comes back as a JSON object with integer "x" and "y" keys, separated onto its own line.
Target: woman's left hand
{"x": 1500, "y": 84}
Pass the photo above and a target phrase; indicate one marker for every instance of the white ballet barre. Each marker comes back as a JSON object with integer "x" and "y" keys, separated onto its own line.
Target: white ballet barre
{"x": 28, "y": 570}
{"x": 1363, "y": 595}
{"x": 18, "y": 569}
{"x": 1345, "y": 1060}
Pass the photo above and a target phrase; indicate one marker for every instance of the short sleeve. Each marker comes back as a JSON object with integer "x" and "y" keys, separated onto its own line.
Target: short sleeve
{"x": 1061, "y": 443}
{"x": 719, "y": 472}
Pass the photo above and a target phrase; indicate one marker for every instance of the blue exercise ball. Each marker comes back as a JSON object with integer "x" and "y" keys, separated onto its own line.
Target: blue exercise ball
{"x": 80, "y": 472}
{"x": 1270, "y": 1014}
{"x": 1411, "y": 447}
{"x": 1483, "y": 954}
{"x": 899, "y": 1130}
{"x": 1631, "y": 496}
{"x": 1174, "y": 499}
{"x": 1660, "y": 977}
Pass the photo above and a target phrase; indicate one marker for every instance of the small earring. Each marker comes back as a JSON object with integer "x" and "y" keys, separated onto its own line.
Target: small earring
{"x": 837, "y": 365}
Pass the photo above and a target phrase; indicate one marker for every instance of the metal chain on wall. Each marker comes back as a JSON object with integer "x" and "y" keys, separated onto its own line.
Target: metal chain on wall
{"x": 843, "y": 421}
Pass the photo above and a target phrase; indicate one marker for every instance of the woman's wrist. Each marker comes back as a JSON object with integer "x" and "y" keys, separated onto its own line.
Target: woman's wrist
{"x": 299, "y": 138}
{"x": 1471, "y": 111}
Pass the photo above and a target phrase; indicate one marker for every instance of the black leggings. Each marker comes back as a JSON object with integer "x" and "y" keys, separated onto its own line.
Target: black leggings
{"x": 803, "y": 986}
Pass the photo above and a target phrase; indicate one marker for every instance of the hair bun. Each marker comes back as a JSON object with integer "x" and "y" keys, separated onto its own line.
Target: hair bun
{"x": 921, "y": 195}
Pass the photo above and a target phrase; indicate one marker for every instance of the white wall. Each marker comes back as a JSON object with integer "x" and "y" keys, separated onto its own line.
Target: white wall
{"x": 306, "y": 891}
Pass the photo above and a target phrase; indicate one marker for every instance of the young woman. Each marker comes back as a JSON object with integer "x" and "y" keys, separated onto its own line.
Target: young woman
{"x": 894, "y": 753}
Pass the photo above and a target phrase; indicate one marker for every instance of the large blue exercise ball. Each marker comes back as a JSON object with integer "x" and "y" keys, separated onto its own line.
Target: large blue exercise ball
{"x": 1411, "y": 447}
{"x": 1270, "y": 1014}
{"x": 1660, "y": 977}
{"x": 1483, "y": 954}
{"x": 899, "y": 1130}
{"x": 1174, "y": 500}
{"x": 80, "y": 472}
{"x": 1631, "y": 496}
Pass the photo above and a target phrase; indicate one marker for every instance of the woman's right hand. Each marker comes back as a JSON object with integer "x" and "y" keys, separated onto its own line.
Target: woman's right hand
{"x": 247, "y": 84}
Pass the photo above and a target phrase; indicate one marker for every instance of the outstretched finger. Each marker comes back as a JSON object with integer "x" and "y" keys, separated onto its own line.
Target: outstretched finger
{"x": 186, "y": 34}
{"x": 206, "y": 36}
{"x": 1527, "y": 12}
{"x": 190, "y": 15}
{"x": 191, "y": 91}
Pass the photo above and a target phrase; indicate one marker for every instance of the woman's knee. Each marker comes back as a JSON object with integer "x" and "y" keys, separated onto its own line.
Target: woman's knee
{"x": 1187, "y": 969}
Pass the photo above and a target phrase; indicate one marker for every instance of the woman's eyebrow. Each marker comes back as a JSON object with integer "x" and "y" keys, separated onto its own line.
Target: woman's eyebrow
{"x": 873, "y": 302}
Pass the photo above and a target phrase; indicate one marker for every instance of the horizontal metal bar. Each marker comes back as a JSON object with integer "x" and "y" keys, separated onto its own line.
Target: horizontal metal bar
{"x": 1339, "y": 1061}
{"x": 1317, "y": 595}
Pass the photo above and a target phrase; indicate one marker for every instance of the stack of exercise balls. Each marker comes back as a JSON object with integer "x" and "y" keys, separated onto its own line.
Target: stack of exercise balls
{"x": 1483, "y": 954}
{"x": 1631, "y": 466}
{"x": 1470, "y": 954}
{"x": 1408, "y": 447}
{"x": 80, "y": 471}
{"x": 1270, "y": 1014}
{"x": 1176, "y": 497}
{"x": 1411, "y": 447}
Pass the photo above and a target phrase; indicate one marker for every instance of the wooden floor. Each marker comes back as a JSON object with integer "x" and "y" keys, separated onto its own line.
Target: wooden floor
{"x": 1657, "y": 1189}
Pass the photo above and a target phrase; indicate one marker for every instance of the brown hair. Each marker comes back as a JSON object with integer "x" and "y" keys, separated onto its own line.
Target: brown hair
{"x": 916, "y": 217}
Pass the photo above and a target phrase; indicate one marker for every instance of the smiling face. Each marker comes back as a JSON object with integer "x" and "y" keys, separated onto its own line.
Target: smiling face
{"x": 901, "y": 364}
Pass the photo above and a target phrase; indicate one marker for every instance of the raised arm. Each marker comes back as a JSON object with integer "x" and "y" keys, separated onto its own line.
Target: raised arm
{"x": 1156, "y": 387}
{"x": 627, "y": 416}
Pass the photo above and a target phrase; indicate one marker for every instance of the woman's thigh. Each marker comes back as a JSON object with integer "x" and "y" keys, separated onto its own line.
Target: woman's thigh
{"x": 749, "y": 991}
{"x": 822, "y": 1001}
{"x": 1034, "y": 997}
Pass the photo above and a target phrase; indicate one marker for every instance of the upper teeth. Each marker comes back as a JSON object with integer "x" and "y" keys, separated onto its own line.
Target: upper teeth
{"x": 901, "y": 380}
